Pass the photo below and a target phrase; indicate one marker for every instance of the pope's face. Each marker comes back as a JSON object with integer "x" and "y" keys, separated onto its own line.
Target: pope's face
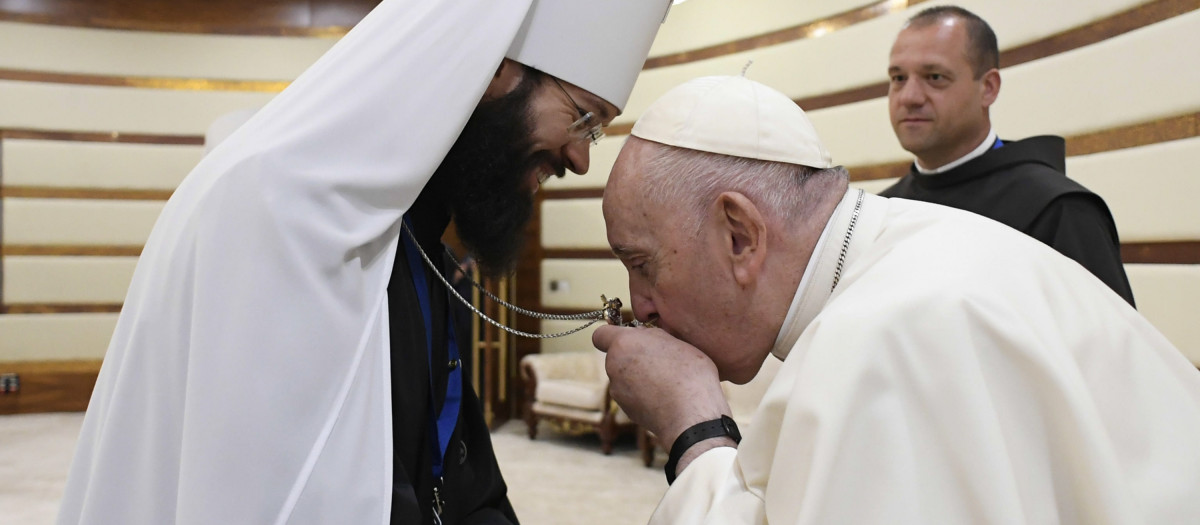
{"x": 676, "y": 275}
{"x": 938, "y": 108}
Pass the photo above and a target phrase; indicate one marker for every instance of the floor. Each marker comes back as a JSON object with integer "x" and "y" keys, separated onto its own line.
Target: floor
{"x": 556, "y": 479}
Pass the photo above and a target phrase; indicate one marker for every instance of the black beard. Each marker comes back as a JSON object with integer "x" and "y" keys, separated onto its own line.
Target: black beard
{"x": 483, "y": 179}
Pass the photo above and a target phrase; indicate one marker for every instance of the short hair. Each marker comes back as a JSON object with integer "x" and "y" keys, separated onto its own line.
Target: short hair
{"x": 692, "y": 179}
{"x": 982, "y": 52}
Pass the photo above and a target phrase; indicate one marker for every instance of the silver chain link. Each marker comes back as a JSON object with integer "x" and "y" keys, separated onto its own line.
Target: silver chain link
{"x": 594, "y": 316}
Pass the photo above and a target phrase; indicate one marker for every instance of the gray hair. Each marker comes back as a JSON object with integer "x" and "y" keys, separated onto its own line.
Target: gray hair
{"x": 693, "y": 179}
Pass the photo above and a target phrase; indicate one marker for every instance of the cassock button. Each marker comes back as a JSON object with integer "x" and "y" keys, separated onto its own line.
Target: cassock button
{"x": 455, "y": 363}
{"x": 462, "y": 452}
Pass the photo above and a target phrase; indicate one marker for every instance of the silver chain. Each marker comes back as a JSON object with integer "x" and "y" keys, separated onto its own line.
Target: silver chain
{"x": 592, "y": 317}
{"x": 554, "y": 317}
{"x": 837, "y": 273}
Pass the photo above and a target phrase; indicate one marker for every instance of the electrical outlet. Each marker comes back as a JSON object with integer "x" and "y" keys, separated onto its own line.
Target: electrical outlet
{"x": 10, "y": 383}
{"x": 560, "y": 285}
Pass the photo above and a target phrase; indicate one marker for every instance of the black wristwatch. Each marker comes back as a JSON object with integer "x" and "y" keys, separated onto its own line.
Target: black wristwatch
{"x": 725, "y": 426}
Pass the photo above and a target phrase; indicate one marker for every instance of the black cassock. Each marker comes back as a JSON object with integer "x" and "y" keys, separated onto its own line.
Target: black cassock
{"x": 473, "y": 489}
{"x": 1023, "y": 184}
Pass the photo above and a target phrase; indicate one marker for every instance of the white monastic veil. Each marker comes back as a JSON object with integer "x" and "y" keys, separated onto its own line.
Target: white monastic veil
{"x": 256, "y": 322}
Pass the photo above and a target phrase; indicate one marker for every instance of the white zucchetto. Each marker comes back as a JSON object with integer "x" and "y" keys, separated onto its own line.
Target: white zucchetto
{"x": 736, "y": 116}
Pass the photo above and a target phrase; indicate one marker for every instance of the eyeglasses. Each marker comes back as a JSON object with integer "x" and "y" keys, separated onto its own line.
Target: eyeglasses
{"x": 588, "y": 127}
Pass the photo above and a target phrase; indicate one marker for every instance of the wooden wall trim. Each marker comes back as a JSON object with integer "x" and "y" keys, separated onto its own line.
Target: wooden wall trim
{"x": 879, "y": 171}
{"x": 802, "y": 31}
{"x": 51, "y": 192}
{"x": 1135, "y": 18}
{"x": 46, "y": 308}
{"x": 617, "y": 130}
{"x": 1140, "y": 134}
{"x": 578, "y": 253}
{"x": 318, "y": 18}
{"x": 1172, "y": 252}
{"x": 68, "y": 250}
{"x": 582, "y": 193}
{"x": 50, "y": 386}
{"x": 92, "y": 136}
{"x": 170, "y": 83}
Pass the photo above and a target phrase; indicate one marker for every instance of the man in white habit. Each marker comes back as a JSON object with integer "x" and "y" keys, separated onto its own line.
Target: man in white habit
{"x": 284, "y": 354}
{"x": 938, "y": 367}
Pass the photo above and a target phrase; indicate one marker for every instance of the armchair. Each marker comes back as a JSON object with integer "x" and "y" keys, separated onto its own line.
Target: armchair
{"x": 570, "y": 390}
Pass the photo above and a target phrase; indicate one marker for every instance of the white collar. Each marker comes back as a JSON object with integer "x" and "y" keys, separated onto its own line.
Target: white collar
{"x": 979, "y": 150}
{"x": 817, "y": 284}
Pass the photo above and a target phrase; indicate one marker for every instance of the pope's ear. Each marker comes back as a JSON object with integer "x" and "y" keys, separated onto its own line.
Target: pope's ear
{"x": 745, "y": 235}
{"x": 506, "y": 79}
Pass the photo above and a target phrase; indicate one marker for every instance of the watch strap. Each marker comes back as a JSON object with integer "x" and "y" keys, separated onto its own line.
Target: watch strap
{"x": 725, "y": 426}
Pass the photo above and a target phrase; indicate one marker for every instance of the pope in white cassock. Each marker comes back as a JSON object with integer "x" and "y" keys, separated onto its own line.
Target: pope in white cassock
{"x": 283, "y": 354}
{"x": 938, "y": 367}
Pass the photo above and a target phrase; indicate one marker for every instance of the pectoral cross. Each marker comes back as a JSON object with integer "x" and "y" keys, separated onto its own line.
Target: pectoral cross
{"x": 612, "y": 310}
{"x": 612, "y": 313}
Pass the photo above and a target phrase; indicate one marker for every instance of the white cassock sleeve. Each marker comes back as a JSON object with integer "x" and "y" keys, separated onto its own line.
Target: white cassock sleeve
{"x": 912, "y": 409}
{"x": 246, "y": 381}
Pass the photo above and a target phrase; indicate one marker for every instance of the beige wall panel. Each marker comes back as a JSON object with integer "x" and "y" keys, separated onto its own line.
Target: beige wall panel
{"x": 580, "y": 341}
{"x": 851, "y": 57}
{"x": 859, "y": 134}
{"x": 128, "y": 110}
{"x": 603, "y": 156}
{"x": 580, "y": 282}
{"x": 573, "y": 223}
{"x": 46, "y": 337}
{"x": 1169, "y": 296}
{"x": 96, "y": 164}
{"x": 691, "y": 25}
{"x": 873, "y": 186}
{"x": 77, "y": 221}
{"x": 1135, "y": 77}
{"x": 1151, "y": 190}
{"x": 140, "y": 53}
{"x": 73, "y": 280}
{"x": 857, "y": 55}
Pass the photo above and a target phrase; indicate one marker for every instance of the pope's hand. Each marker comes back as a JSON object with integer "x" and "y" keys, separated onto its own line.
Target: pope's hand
{"x": 663, "y": 384}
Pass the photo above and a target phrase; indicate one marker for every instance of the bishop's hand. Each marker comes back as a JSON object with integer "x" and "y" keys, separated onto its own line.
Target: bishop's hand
{"x": 663, "y": 384}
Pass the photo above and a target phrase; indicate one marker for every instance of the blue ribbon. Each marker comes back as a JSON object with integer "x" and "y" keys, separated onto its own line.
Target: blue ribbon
{"x": 441, "y": 424}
